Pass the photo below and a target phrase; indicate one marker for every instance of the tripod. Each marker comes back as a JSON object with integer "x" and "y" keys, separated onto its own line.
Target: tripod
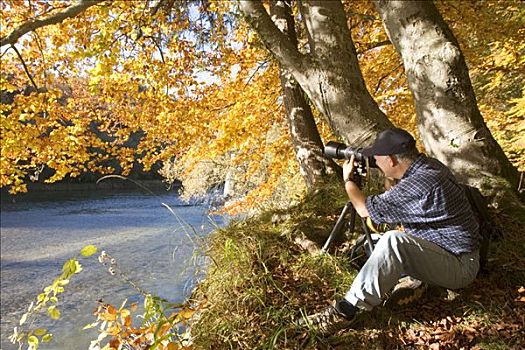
{"x": 349, "y": 208}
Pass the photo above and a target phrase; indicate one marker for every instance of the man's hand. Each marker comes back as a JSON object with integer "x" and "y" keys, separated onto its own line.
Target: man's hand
{"x": 348, "y": 168}
{"x": 357, "y": 197}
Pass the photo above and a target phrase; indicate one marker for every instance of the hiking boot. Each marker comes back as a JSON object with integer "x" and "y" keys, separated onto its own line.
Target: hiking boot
{"x": 406, "y": 291}
{"x": 328, "y": 321}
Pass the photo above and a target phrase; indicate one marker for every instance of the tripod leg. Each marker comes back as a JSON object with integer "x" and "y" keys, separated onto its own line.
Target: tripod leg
{"x": 351, "y": 225}
{"x": 337, "y": 228}
{"x": 367, "y": 234}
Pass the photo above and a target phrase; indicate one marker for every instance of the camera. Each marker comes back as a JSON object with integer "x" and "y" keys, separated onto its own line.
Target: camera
{"x": 339, "y": 150}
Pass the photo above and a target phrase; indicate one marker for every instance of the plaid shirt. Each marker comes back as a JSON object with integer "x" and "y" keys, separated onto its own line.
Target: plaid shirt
{"x": 429, "y": 204}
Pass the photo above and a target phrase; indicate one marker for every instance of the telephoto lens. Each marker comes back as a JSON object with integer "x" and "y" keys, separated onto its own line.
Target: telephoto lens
{"x": 337, "y": 150}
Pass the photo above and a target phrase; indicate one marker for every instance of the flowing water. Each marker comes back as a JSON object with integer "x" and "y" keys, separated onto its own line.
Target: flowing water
{"x": 158, "y": 249}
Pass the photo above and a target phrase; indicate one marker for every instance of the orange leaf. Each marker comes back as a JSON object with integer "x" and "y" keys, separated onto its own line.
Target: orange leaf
{"x": 172, "y": 346}
{"x": 127, "y": 321}
{"x": 114, "y": 343}
{"x": 186, "y": 313}
{"x": 112, "y": 310}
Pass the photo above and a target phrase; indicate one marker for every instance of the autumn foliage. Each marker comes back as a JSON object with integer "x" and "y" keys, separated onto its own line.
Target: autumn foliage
{"x": 187, "y": 84}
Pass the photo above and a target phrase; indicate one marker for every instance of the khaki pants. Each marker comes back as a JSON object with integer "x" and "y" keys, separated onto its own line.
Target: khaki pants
{"x": 397, "y": 254}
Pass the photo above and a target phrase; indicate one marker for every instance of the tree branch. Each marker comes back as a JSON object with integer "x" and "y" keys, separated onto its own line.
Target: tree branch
{"x": 156, "y": 8}
{"x": 25, "y": 67}
{"x": 278, "y": 44}
{"x": 39, "y": 44}
{"x": 58, "y": 17}
{"x": 259, "y": 66}
{"x": 374, "y": 45}
{"x": 378, "y": 85}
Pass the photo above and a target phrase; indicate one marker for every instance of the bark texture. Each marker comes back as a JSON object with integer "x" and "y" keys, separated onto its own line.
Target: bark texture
{"x": 449, "y": 121}
{"x": 329, "y": 74}
{"x": 315, "y": 168}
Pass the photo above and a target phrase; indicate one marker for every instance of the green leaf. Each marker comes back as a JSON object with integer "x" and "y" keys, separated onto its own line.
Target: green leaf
{"x": 69, "y": 267}
{"x": 88, "y": 250}
{"x": 47, "y": 338}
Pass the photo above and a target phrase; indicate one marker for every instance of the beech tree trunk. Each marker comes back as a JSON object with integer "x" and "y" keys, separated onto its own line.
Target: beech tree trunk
{"x": 315, "y": 167}
{"x": 449, "y": 121}
{"x": 329, "y": 74}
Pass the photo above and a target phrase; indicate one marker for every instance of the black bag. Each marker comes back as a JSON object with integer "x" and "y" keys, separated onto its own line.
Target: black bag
{"x": 488, "y": 230}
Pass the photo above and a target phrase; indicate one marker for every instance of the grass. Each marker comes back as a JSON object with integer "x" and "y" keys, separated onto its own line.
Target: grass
{"x": 260, "y": 281}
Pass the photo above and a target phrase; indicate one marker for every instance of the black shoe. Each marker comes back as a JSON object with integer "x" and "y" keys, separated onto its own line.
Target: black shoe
{"x": 406, "y": 291}
{"x": 327, "y": 322}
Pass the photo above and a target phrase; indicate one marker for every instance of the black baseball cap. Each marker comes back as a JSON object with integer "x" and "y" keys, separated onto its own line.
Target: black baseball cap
{"x": 390, "y": 141}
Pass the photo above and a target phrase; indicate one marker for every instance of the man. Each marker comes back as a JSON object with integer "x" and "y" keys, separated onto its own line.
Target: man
{"x": 439, "y": 241}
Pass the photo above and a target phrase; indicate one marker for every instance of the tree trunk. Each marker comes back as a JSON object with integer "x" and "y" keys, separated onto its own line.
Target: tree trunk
{"x": 329, "y": 74}
{"x": 449, "y": 121}
{"x": 315, "y": 168}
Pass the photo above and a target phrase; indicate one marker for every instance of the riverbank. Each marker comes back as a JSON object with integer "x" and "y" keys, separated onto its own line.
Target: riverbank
{"x": 263, "y": 278}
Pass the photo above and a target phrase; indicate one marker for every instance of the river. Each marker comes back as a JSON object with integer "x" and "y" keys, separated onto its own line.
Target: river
{"x": 160, "y": 250}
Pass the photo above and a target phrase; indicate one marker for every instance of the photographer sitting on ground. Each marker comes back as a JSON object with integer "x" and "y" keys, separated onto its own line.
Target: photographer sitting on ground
{"x": 439, "y": 243}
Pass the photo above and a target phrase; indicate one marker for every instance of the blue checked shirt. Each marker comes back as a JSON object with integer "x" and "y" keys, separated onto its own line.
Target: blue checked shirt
{"x": 429, "y": 204}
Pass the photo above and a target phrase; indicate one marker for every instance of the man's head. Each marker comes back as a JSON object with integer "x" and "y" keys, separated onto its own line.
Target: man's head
{"x": 394, "y": 150}
{"x": 391, "y": 142}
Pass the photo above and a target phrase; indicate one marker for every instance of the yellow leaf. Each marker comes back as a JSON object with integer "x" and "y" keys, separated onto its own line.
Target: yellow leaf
{"x": 53, "y": 312}
{"x": 88, "y": 250}
{"x": 40, "y": 331}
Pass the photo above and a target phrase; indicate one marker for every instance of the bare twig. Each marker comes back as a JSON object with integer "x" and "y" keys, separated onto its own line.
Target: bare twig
{"x": 259, "y": 66}
{"x": 378, "y": 85}
{"x": 124, "y": 178}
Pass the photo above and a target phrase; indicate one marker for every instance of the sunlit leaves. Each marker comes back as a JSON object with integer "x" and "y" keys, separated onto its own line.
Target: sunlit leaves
{"x": 110, "y": 77}
{"x": 160, "y": 328}
{"x": 132, "y": 72}
{"x": 188, "y": 82}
